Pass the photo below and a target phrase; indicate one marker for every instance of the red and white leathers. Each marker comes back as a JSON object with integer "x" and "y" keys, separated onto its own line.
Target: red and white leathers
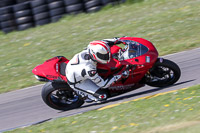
{"x": 81, "y": 72}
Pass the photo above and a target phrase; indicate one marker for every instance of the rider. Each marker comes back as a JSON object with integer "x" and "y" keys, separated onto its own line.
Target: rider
{"x": 81, "y": 70}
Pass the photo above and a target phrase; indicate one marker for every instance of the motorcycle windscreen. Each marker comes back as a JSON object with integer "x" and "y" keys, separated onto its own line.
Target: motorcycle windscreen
{"x": 134, "y": 53}
{"x": 142, "y": 60}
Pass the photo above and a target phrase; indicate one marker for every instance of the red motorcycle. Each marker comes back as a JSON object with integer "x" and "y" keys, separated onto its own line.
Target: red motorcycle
{"x": 138, "y": 62}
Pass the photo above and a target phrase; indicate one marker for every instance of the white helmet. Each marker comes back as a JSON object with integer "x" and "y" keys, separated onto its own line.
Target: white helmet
{"x": 99, "y": 51}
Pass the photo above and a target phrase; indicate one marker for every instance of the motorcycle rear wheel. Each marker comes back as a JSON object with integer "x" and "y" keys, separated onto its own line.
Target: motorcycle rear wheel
{"x": 163, "y": 73}
{"x": 60, "y": 96}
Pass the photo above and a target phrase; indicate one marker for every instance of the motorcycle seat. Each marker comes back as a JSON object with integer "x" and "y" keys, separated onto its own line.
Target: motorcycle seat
{"x": 62, "y": 68}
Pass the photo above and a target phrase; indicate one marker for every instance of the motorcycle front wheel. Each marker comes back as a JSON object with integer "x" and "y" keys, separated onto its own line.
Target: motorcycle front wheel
{"x": 60, "y": 96}
{"x": 163, "y": 73}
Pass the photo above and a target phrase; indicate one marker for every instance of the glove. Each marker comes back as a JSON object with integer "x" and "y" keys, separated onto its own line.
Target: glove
{"x": 117, "y": 40}
{"x": 110, "y": 42}
{"x": 125, "y": 74}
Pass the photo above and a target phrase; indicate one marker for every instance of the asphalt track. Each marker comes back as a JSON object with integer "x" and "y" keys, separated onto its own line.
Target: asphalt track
{"x": 25, "y": 107}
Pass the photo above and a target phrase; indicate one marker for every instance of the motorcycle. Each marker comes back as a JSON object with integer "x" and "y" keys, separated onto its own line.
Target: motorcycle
{"x": 138, "y": 62}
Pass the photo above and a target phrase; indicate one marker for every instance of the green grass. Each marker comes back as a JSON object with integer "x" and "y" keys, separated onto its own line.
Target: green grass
{"x": 170, "y": 24}
{"x": 175, "y": 112}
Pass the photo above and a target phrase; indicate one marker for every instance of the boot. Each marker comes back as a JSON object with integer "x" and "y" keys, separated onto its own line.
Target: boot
{"x": 101, "y": 96}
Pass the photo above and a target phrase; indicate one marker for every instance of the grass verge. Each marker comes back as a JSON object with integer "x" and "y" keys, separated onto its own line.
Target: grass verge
{"x": 176, "y": 112}
{"x": 170, "y": 24}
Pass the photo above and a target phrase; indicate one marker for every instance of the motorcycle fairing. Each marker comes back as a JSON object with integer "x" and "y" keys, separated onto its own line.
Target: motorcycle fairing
{"x": 52, "y": 69}
{"x": 141, "y": 63}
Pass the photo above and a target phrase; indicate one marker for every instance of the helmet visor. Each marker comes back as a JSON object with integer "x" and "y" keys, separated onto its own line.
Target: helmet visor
{"x": 103, "y": 56}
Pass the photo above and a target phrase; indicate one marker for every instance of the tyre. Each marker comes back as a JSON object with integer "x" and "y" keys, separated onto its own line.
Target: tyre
{"x": 73, "y": 8}
{"x": 86, "y": 1}
{"x": 6, "y": 17}
{"x": 8, "y": 29}
{"x": 4, "y": 3}
{"x": 163, "y": 74}
{"x": 42, "y": 22}
{"x": 94, "y": 9}
{"x": 72, "y": 2}
{"x": 56, "y": 18}
{"x": 6, "y": 10}
{"x": 50, "y": 1}
{"x": 105, "y": 2}
{"x": 24, "y": 20}
{"x": 60, "y": 97}
{"x": 40, "y": 9}
{"x": 56, "y": 4}
{"x": 57, "y": 11}
{"x": 36, "y": 3}
{"x": 92, "y": 3}
{"x": 23, "y": 13}
{"x": 76, "y": 12}
{"x": 21, "y": 1}
{"x": 24, "y": 26}
{"x": 6, "y": 24}
{"x": 22, "y": 6}
{"x": 41, "y": 16}
{"x": 122, "y": 1}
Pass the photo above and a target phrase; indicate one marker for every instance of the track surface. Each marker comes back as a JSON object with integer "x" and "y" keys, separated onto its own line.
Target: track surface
{"x": 25, "y": 107}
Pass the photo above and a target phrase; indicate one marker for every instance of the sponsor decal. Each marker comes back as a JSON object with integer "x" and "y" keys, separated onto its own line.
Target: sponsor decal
{"x": 92, "y": 73}
{"x": 57, "y": 67}
{"x": 51, "y": 76}
{"x": 121, "y": 87}
{"x": 147, "y": 59}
